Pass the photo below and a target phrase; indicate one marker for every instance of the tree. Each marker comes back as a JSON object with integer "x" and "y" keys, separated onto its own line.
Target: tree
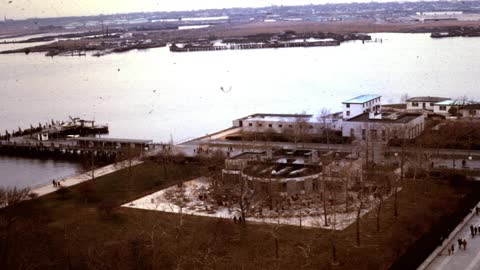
{"x": 244, "y": 198}
{"x": 404, "y": 97}
{"x": 178, "y": 198}
{"x": 325, "y": 118}
{"x": 361, "y": 200}
{"x": 301, "y": 129}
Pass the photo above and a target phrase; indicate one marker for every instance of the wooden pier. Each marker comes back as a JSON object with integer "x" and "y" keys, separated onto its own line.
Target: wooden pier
{"x": 72, "y": 140}
{"x": 247, "y": 46}
{"x": 105, "y": 149}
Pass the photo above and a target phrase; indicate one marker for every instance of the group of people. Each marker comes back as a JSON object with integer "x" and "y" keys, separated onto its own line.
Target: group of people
{"x": 238, "y": 220}
{"x": 461, "y": 243}
{"x": 474, "y": 230}
{"x": 56, "y": 184}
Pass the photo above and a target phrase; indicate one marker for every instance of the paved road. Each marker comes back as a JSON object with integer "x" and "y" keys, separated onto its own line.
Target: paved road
{"x": 468, "y": 259}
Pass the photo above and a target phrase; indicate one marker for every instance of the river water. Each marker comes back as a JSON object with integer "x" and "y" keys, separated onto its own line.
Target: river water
{"x": 159, "y": 95}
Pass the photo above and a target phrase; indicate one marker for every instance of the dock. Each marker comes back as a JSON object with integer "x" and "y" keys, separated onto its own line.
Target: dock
{"x": 192, "y": 47}
{"x": 76, "y": 140}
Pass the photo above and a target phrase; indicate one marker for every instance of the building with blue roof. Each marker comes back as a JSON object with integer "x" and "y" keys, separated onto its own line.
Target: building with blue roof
{"x": 360, "y": 105}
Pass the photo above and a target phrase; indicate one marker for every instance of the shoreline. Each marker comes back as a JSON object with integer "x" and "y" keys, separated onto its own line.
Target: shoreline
{"x": 84, "y": 177}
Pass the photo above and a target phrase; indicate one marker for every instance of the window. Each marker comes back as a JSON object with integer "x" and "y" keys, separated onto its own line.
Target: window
{"x": 348, "y": 113}
{"x": 250, "y": 124}
{"x": 348, "y": 105}
{"x": 290, "y": 126}
{"x": 311, "y": 127}
{"x": 432, "y": 104}
{"x": 473, "y": 112}
{"x": 280, "y": 126}
{"x": 443, "y": 108}
{"x": 414, "y": 104}
{"x": 364, "y": 134}
{"x": 373, "y": 133}
{"x": 352, "y": 132}
{"x": 260, "y": 124}
{"x": 269, "y": 125}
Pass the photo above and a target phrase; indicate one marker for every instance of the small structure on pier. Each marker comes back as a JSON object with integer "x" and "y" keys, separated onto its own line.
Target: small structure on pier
{"x": 113, "y": 143}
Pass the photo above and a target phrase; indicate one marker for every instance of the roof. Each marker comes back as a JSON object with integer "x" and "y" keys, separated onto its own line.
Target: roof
{"x": 112, "y": 140}
{"x": 472, "y": 106}
{"x": 427, "y": 99}
{"x": 454, "y": 102}
{"x": 402, "y": 119}
{"x": 362, "y": 99}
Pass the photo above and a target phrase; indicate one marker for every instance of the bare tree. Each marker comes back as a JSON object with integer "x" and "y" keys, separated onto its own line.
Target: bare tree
{"x": 361, "y": 200}
{"x": 301, "y": 128}
{"x": 244, "y": 199}
{"x": 325, "y": 117}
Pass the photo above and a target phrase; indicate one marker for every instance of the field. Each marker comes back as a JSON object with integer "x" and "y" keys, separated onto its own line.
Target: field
{"x": 85, "y": 228}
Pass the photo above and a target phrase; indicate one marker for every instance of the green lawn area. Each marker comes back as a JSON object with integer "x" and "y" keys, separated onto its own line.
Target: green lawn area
{"x": 85, "y": 229}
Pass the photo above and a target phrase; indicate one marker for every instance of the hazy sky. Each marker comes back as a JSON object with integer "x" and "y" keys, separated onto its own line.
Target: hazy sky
{"x": 17, "y": 9}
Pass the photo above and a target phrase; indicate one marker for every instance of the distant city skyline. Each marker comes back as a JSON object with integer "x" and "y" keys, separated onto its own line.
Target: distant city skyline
{"x": 22, "y": 9}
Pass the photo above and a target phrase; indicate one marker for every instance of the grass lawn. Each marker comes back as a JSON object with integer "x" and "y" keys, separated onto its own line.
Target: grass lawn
{"x": 84, "y": 228}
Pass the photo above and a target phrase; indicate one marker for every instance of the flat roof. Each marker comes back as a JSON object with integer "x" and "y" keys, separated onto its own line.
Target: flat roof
{"x": 362, "y": 99}
{"x": 455, "y": 102}
{"x": 475, "y": 106}
{"x": 402, "y": 119}
{"x": 427, "y": 99}
{"x": 112, "y": 140}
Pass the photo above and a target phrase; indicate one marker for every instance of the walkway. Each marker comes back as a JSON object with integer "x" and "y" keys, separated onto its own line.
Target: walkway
{"x": 468, "y": 259}
{"x": 47, "y": 189}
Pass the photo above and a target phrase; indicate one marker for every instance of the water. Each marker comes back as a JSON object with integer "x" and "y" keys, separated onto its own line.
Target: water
{"x": 157, "y": 94}
{"x": 32, "y": 173}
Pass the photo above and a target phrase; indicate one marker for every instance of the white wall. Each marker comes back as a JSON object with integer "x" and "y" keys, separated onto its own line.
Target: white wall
{"x": 357, "y": 109}
{"x": 471, "y": 113}
{"x": 409, "y": 130}
{"x": 428, "y": 106}
{"x": 436, "y": 109}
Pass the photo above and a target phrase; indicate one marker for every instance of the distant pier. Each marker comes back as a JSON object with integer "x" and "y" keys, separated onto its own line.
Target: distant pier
{"x": 75, "y": 140}
{"x": 247, "y": 46}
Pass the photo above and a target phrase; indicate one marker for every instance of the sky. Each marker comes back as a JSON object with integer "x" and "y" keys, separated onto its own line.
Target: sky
{"x": 21, "y": 9}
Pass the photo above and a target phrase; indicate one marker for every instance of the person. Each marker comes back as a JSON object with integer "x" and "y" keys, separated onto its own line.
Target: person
{"x": 472, "y": 230}
{"x": 464, "y": 163}
{"x": 453, "y": 248}
{"x": 449, "y": 250}
{"x": 239, "y": 220}
{"x": 54, "y": 183}
{"x": 464, "y": 244}
{"x": 235, "y": 219}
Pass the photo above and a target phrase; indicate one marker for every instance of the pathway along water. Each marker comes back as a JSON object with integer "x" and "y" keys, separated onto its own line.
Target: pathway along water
{"x": 156, "y": 94}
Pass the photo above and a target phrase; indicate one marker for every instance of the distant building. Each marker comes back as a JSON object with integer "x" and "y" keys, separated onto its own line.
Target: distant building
{"x": 424, "y": 103}
{"x": 471, "y": 111}
{"x": 284, "y": 123}
{"x": 361, "y": 104}
{"x": 385, "y": 127}
{"x": 445, "y": 106}
{"x": 438, "y": 16}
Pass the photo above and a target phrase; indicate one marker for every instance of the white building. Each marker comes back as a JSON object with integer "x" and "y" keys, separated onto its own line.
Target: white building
{"x": 471, "y": 111}
{"x": 361, "y": 104}
{"x": 445, "y": 106}
{"x": 284, "y": 123}
{"x": 388, "y": 126}
{"x": 423, "y": 103}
